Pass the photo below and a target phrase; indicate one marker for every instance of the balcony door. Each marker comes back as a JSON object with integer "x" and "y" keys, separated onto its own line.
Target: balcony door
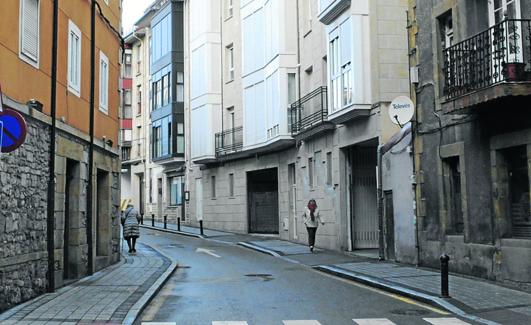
{"x": 510, "y": 34}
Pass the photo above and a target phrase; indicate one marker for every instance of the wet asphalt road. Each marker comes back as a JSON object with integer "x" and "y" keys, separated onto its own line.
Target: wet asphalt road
{"x": 222, "y": 282}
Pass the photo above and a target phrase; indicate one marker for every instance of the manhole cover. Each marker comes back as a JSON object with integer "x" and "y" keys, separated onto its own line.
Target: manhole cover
{"x": 410, "y": 312}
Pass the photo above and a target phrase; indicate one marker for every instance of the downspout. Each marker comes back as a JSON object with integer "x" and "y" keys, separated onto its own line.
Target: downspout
{"x": 90, "y": 267}
{"x": 298, "y": 54}
{"x": 413, "y": 130}
{"x": 381, "y": 251}
{"x": 50, "y": 221}
{"x": 222, "y": 48}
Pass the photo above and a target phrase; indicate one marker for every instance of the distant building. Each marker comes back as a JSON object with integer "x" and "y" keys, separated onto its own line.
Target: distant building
{"x": 153, "y": 144}
{"x": 474, "y": 136}
{"x": 25, "y": 70}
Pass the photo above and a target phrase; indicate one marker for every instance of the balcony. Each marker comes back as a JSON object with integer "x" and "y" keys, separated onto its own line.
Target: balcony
{"x": 229, "y": 141}
{"x": 308, "y": 116}
{"x": 492, "y": 64}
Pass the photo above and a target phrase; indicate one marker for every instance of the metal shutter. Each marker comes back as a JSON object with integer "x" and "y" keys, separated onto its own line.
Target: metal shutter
{"x": 30, "y": 29}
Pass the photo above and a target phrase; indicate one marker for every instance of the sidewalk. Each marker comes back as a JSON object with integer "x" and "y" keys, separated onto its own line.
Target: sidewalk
{"x": 476, "y": 299}
{"x": 115, "y": 295}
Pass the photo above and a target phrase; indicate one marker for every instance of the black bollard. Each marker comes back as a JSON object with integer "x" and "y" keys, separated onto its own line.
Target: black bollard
{"x": 201, "y": 227}
{"x": 179, "y": 224}
{"x": 165, "y": 222}
{"x": 152, "y": 220}
{"x": 142, "y": 219}
{"x": 444, "y": 276}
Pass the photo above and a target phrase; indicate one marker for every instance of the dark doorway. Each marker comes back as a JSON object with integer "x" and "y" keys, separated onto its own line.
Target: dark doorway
{"x": 389, "y": 225}
{"x": 71, "y": 211}
{"x": 262, "y": 189}
{"x": 103, "y": 217}
{"x": 518, "y": 179}
{"x": 141, "y": 193}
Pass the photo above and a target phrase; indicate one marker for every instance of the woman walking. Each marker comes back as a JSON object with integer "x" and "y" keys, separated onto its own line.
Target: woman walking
{"x": 312, "y": 221}
{"x": 131, "y": 230}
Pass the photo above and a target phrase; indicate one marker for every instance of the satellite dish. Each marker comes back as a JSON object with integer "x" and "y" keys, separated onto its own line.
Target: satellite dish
{"x": 401, "y": 110}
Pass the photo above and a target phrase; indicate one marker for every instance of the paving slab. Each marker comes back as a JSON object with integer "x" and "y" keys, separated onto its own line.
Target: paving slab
{"x": 115, "y": 295}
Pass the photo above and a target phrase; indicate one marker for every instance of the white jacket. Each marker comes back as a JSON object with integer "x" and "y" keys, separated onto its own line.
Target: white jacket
{"x": 308, "y": 218}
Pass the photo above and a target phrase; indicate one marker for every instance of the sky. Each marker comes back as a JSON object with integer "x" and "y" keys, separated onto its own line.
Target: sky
{"x": 132, "y": 11}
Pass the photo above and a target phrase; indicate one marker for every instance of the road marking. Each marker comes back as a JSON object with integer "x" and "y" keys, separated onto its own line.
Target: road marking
{"x": 230, "y": 323}
{"x": 158, "y": 323}
{"x": 301, "y": 322}
{"x": 373, "y": 321}
{"x": 445, "y": 321}
{"x": 207, "y": 251}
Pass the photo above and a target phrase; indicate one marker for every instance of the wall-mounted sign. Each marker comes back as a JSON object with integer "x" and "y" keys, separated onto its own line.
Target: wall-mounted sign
{"x": 401, "y": 110}
{"x": 14, "y": 129}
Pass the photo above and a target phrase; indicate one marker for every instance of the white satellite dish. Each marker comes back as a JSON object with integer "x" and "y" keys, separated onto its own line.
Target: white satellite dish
{"x": 401, "y": 110}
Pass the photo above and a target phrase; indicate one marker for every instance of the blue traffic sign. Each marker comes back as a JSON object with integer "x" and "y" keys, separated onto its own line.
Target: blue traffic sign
{"x": 13, "y": 130}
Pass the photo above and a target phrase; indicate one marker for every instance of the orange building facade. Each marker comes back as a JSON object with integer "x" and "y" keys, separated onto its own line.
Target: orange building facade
{"x": 26, "y": 49}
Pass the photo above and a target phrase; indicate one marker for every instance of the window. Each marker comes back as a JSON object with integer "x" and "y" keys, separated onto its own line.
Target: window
{"x": 230, "y": 8}
{"x": 180, "y": 138}
{"x": 518, "y": 191}
{"x": 161, "y": 38}
{"x": 160, "y": 88}
{"x": 139, "y": 59}
{"x": 452, "y": 171}
{"x": 166, "y": 90}
{"x": 213, "y": 186}
{"x": 157, "y": 141}
{"x": 104, "y": 83}
{"x": 180, "y": 87}
{"x": 176, "y": 194}
{"x": 29, "y": 31}
{"x": 341, "y": 76}
{"x": 231, "y": 185}
{"x": 138, "y": 99}
{"x": 74, "y": 59}
{"x": 328, "y": 168}
{"x": 230, "y": 62}
{"x": 310, "y": 172}
{"x": 292, "y": 97}
{"x": 127, "y": 98}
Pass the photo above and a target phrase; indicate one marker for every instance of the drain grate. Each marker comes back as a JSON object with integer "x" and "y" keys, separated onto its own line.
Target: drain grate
{"x": 410, "y": 312}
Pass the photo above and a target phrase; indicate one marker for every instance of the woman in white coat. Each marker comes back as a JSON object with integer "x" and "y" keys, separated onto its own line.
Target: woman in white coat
{"x": 312, "y": 219}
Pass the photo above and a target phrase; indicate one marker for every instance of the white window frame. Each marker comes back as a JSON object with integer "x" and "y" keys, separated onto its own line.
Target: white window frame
{"x": 230, "y": 62}
{"x": 74, "y": 86}
{"x": 230, "y": 8}
{"x": 104, "y": 84}
{"x": 28, "y": 57}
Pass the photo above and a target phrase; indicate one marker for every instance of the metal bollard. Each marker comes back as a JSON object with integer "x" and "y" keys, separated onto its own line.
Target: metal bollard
{"x": 152, "y": 220}
{"x": 201, "y": 227}
{"x": 445, "y": 259}
{"x": 179, "y": 224}
{"x": 165, "y": 222}
{"x": 142, "y": 219}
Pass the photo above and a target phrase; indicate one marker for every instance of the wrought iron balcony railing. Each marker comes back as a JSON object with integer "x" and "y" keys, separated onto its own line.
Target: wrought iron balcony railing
{"x": 229, "y": 141}
{"x": 309, "y": 111}
{"x": 499, "y": 54}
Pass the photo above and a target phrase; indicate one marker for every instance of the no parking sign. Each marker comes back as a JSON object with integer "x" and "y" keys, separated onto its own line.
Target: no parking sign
{"x": 13, "y": 128}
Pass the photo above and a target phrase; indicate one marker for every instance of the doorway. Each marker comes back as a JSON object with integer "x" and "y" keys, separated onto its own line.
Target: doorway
{"x": 72, "y": 183}
{"x": 363, "y": 196}
{"x": 159, "y": 198}
{"x": 292, "y": 182}
{"x": 103, "y": 217}
{"x": 262, "y": 186}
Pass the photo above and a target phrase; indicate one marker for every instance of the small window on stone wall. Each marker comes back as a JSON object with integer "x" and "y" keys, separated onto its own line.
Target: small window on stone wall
{"x": 518, "y": 185}
{"x": 454, "y": 207}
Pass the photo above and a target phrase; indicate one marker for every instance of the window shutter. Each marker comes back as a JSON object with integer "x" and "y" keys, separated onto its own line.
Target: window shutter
{"x": 30, "y": 29}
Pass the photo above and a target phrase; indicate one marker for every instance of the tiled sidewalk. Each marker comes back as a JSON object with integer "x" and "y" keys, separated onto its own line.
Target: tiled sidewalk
{"x": 112, "y": 296}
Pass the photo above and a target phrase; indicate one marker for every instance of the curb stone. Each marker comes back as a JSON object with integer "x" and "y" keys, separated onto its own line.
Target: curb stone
{"x": 171, "y": 231}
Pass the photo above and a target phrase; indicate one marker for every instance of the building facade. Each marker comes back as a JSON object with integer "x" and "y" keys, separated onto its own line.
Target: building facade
{"x": 473, "y": 136}
{"x": 25, "y": 70}
{"x": 154, "y": 171}
{"x": 288, "y": 102}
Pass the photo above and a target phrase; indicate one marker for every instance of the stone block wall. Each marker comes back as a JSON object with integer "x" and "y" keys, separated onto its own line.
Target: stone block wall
{"x": 23, "y": 204}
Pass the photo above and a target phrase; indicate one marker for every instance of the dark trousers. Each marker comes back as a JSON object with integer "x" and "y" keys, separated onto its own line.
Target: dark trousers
{"x": 311, "y": 235}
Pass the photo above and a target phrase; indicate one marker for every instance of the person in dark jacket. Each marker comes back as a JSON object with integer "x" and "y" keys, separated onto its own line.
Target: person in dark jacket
{"x": 312, "y": 219}
{"x": 131, "y": 229}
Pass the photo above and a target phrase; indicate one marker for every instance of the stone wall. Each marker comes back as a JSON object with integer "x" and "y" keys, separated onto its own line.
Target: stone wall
{"x": 23, "y": 204}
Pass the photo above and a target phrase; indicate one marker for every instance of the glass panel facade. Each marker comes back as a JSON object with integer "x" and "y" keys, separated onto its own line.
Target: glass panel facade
{"x": 161, "y": 38}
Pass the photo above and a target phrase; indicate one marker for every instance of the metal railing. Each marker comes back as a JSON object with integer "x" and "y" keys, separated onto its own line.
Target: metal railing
{"x": 229, "y": 141}
{"x": 499, "y": 54}
{"x": 309, "y": 111}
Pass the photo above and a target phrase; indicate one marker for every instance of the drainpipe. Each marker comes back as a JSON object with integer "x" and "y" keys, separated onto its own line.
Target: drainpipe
{"x": 381, "y": 252}
{"x": 298, "y": 53}
{"x": 50, "y": 220}
{"x": 90, "y": 266}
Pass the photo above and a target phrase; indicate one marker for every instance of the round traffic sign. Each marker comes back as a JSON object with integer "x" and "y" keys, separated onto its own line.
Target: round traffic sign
{"x": 401, "y": 110}
{"x": 13, "y": 131}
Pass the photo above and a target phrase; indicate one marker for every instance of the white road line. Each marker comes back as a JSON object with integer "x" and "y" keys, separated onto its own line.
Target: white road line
{"x": 207, "y": 251}
{"x": 373, "y": 321}
{"x": 445, "y": 321}
{"x": 301, "y": 322}
{"x": 158, "y": 323}
{"x": 229, "y": 323}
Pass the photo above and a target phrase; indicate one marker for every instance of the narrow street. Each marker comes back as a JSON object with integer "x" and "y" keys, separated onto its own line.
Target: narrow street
{"x": 217, "y": 283}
